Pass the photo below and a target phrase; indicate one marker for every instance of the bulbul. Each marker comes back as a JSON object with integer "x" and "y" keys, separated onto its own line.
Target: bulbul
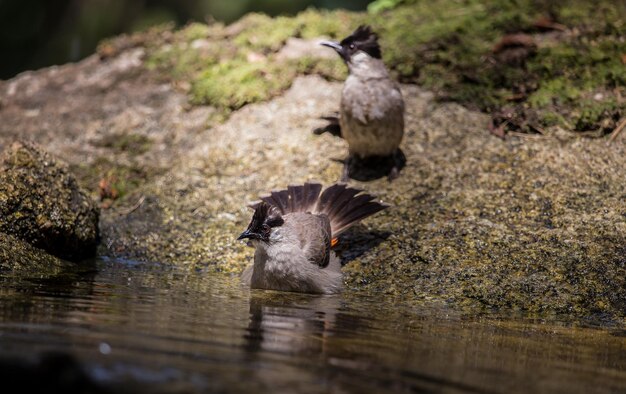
{"x": 293, "y": 231}
{"x": 371, "y": 115}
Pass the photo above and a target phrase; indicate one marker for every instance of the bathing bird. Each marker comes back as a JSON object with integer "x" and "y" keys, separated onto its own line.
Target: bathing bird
{"x": 293, "y": 231}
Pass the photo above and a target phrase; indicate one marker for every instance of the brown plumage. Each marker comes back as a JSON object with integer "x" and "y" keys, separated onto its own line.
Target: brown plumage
{"x": 292, "y": 231}
{"x": 372, "y": 108}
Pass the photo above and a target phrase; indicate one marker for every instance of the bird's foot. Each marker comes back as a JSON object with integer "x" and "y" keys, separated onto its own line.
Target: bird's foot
{"x": 345, "y": 171}
{"x": 393, "y": 173}
{"x": 399, "y": 161}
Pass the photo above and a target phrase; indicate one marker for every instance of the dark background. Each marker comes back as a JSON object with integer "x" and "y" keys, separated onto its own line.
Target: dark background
{"x": 39, "y": 33}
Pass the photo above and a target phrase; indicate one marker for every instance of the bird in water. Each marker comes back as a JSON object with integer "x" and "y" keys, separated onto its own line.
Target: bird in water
{"x": 293, "y": 231}
{"x": 371, "y": 117}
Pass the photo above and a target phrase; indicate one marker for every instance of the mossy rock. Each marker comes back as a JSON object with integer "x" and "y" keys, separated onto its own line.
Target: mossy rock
{"x": 19, "y": 258}
{"x": 567, "y": 72}
{"x": 534, "y": 224}
{"x": 41, "y": 203}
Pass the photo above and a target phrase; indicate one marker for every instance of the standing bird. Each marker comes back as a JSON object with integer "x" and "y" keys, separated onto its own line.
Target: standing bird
{"x": 293, "y": 231}
{"x": 372, "y": 109}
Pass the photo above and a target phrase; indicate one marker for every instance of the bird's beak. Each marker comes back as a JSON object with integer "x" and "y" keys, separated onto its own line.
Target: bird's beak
{"x": 332, "y": 44}
{"x": 247, "y": 234}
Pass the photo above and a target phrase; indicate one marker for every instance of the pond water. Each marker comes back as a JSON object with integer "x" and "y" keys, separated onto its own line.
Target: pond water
{"x": 129, "y": 327}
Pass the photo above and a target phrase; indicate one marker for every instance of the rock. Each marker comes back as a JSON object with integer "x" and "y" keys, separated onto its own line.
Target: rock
{"x": 42, "y": 204}
{"x": 20, "y": 259}
{"x": 296, "y": 48}
{"x": 524, "y": 223}
{"x": 534, "y": 223}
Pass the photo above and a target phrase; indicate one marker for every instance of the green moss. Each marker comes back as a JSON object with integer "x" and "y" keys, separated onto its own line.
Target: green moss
{"x": 265, "y": 34}
{"x": 591, "y": 113}
{"x": 185, "y": 53}
{"x": 234, "y": 84}
{"x": 235, "y": 80}
{"x": 446, "y": 46}
{"x": 429, "y": 33}
{"x": 557, "y": 91}
{"x": 328, "y": 68}
{"x": 551, "y": 118}
{"x": 183, "y": 60}
{"x": 194, "y": 31}
{"x": 383, "y": 5}
{"x": 220, "y": 71}
{"x": 333, "y": 24}
{"x": 579, "y": 80}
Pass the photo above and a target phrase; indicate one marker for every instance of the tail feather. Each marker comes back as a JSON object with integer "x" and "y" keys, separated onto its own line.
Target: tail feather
{"x": 334, "y": 198}
{"x": 343, "y": 205}
{"x": 312, "y": 192}
{"x": 295, "y": 198}
{"x": 355, "y": 215}
{"x": 296, "y": 202}
{"x": 354, "y": 204}
{"x": 280, "y": 200}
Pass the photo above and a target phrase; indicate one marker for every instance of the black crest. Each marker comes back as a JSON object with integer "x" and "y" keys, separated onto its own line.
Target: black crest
{"x": 364, "y": 39}
{"x": 264, "y": 219}
{"x": 265, "y": 213}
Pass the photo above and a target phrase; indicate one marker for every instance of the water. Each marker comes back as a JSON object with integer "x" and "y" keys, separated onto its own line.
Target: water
{"x": 128, "y": 327}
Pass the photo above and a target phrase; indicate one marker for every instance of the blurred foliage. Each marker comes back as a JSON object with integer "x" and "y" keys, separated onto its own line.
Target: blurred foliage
{"x": 38, "y": 33}
{"x": 382, "y": 5}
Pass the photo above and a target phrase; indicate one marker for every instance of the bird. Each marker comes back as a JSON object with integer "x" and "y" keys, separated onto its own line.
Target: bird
{"x": 293, "y": 231}
{"x": 371, "y": 116}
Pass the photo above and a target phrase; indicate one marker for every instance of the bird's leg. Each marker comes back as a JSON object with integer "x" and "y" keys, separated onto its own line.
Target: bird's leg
{"x": 399, "y": 160}
{"x": 393, "y": 174}
{"x": 345, "y": 172}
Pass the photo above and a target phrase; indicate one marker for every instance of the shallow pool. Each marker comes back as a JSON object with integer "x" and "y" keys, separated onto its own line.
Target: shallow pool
{"x": 130, "y": 327}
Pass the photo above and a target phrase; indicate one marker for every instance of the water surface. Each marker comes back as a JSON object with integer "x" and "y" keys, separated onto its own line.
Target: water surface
{"x": 128, "y": 327}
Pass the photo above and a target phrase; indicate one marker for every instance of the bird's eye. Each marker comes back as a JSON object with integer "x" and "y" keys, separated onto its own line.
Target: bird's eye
{"x": 351, "y": 46}
{"x": 266, "y": 229}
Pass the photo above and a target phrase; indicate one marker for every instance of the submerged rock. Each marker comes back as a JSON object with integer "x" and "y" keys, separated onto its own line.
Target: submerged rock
{"x": 42, "y": 204}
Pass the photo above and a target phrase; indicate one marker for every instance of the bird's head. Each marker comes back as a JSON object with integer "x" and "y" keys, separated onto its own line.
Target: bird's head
{"x": 265, "y": 219}
{"x": 362, "y": 40}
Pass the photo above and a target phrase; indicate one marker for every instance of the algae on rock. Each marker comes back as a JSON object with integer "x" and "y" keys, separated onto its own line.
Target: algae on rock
{"x": 20, "y": 259}
{"x": 41, "y": 203}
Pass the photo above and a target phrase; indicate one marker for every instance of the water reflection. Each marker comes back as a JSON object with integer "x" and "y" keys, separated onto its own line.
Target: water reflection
{"x": 155, "y": 329}
{"x": 328, "y": 345}
{"x": 275, "y": 317}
